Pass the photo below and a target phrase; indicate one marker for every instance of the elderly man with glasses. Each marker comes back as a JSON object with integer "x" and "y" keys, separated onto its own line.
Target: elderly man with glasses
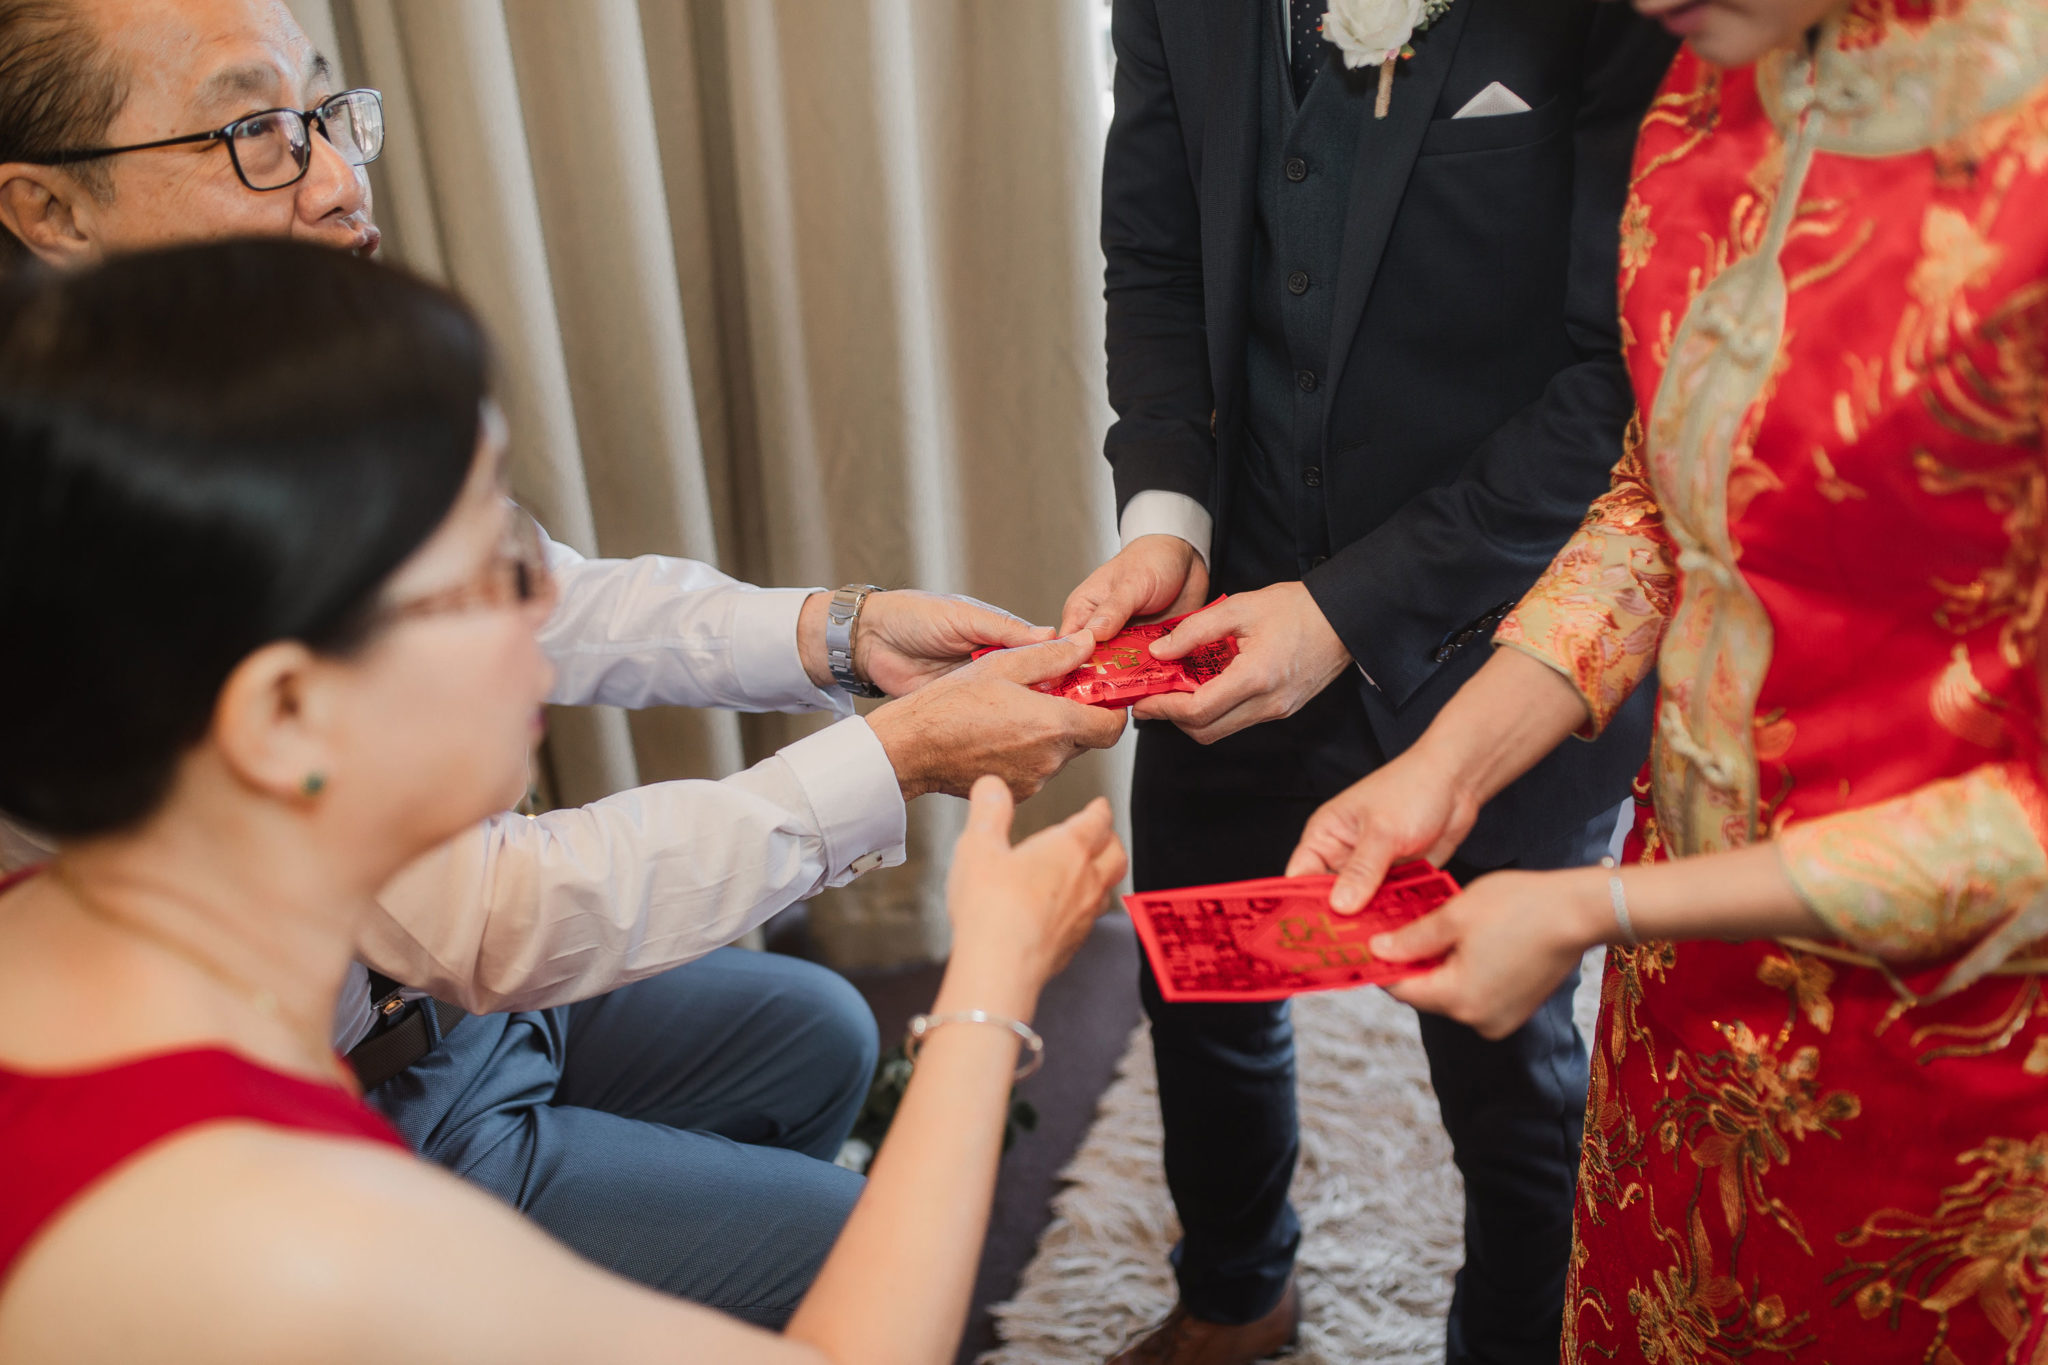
{"x": 272, "y": 149}
{"x": 667, "y": 1106}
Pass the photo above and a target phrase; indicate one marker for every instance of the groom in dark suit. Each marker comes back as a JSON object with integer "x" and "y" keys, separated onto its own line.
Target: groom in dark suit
{"x": 1366, "y": 377}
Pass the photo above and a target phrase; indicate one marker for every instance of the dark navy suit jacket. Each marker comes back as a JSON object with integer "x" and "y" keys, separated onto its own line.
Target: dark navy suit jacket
{"x": 1476, "y": 393}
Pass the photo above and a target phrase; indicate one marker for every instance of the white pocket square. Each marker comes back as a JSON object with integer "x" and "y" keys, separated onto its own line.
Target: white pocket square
{"x": 1494, "y": 99}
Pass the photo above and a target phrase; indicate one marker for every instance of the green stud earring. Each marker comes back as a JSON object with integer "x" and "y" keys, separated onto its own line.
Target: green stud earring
{"x": 314, "y": 784}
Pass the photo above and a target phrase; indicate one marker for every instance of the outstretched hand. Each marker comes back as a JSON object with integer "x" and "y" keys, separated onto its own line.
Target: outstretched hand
{"x": 985, "y": 718}
{"x": 907, "y": 638}
{"x": 1028, "y": 907}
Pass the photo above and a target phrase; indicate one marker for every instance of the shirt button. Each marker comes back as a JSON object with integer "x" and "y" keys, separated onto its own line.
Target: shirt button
{"x": 1312, "y": 476}
{"x": 1317, "y": 561}
{"x": 1297, "y": 282}
{"x": 1296, "y": 169}
{"x": 1305, "y": 380}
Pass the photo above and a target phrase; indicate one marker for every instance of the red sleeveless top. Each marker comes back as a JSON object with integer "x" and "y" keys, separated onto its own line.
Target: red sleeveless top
{"x": 60, "y": 1133}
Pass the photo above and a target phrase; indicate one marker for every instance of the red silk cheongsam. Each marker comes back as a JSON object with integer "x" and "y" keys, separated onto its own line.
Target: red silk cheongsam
{"x": 1826, "y": 538}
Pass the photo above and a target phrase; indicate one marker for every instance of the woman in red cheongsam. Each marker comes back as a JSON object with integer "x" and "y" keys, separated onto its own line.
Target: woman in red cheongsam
{"x": 1823, "y": 1137}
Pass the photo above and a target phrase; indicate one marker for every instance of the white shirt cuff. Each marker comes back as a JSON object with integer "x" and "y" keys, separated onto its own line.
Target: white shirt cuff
{"x": 1156, "y": 512}
{"x": 853, "y": 792}
{"x": 766, "y": 660}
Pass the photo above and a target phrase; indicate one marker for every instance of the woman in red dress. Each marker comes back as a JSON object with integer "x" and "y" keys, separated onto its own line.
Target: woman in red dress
{"x": 1824, "y": 1137}
{"x": 272, "y": 634}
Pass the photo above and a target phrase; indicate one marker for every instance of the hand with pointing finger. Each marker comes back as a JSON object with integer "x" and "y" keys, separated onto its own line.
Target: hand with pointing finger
{"x": 1022, "y": 910}
{"x": 1402, "y": 810}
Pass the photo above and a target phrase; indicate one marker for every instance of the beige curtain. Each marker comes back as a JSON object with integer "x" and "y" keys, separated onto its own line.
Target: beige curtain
{"x": 805, "y": 288}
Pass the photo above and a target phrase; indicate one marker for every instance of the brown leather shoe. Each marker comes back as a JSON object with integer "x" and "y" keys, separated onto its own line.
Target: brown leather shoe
{"x": 1186, "y": 1340}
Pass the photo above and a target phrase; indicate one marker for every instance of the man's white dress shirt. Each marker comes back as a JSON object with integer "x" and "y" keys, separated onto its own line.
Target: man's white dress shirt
{"x": 1156, "y": 512}
{"x": 525, "y": 912}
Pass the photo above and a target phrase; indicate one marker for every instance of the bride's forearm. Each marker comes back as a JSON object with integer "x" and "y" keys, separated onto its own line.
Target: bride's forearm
{"x": 1501, "y": 723}
{"x": 1744, "y": 893}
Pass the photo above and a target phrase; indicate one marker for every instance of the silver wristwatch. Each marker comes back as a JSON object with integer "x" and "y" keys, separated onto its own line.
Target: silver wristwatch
{"x": 842, "y": 619}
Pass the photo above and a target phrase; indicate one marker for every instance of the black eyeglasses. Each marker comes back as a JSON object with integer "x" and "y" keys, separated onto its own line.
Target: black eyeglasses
{"x": 274, "y": 148}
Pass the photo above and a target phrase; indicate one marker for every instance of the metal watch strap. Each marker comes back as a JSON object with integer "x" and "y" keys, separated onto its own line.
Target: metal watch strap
{"x": 842, "y": 619}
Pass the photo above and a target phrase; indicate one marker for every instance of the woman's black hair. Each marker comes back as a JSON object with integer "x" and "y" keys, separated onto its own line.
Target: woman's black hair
{"x": 202, "y": 451}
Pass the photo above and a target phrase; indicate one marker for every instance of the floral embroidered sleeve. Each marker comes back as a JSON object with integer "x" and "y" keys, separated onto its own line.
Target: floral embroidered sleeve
{"x": 1953, "y": 865}
{"x": 1598, "y": 612}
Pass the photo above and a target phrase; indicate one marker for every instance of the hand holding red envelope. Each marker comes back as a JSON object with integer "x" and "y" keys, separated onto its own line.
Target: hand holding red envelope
{"x": 1277, "y": 936}
{"x": 1123, "y": 670}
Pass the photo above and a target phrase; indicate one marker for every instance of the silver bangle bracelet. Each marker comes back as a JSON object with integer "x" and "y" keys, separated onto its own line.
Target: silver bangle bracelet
{"x": 1619, "y": 900}
{"x": 922, "y": 1026}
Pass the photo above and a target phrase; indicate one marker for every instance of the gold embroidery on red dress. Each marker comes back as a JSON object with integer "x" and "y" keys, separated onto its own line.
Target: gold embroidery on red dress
{"x": 1805, "y": 980}
{"x": 1985, "y": 1243}
{"x": 1893, "y": 319}
{"x": 1963, "y": 707}
{"x": 1956, "y": 257}
{"x": 1734, "y": 1118}
{"x": 1831, "y": 484}
{"x": 1615, "y": 1151}
{"x": 1689, "y": 1315}
{"x": 1984, "y": 1038}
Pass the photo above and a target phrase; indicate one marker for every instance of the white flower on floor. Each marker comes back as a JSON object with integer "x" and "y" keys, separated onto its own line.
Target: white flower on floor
{"x": 1369, "y": 32}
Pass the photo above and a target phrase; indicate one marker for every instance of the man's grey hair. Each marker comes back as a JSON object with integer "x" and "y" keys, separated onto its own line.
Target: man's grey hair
{"x": 59, "y": 90}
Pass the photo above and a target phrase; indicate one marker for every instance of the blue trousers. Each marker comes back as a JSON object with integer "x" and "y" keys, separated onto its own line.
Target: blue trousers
{"x": 679, "y": 1131}
{"x": 1514, "y": 1108}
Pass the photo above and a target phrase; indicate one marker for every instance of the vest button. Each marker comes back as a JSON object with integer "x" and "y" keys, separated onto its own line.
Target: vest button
{"x": 1296, "y": 169}
{"x": 1312, "y": 476}
{"x": 1297, "y": 282}
{"x": 1305, "y": 380}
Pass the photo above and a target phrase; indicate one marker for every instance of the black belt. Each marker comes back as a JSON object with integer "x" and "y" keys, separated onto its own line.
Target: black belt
{"x": 404, "y": 1031}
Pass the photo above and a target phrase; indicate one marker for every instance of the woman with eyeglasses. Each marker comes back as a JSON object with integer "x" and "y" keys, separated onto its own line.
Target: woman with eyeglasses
{"x": 285, "y": 622}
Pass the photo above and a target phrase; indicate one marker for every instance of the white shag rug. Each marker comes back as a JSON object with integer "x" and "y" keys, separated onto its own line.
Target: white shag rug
{"x": 1381, "y": 1204}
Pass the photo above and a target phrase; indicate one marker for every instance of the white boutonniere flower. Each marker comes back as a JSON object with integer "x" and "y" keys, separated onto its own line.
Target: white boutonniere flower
{"x": 1375, "y": 32}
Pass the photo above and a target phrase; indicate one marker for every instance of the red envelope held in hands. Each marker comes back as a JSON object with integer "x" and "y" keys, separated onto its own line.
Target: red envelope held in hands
{"x": 1123, "y": 669}
{"x": 1277, "y": 936}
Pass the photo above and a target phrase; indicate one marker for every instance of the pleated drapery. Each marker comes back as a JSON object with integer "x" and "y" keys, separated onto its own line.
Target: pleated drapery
{"x": 808, "y": 289}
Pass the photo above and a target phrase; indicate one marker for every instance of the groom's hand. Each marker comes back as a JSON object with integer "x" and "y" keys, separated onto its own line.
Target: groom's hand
{"x": 1286, "y": 653}
{"x": 1155, "y": 575}
{"x": 1409, "y": 808}
{"x": 907, "y": 639}
{"x": 984, "y": 718}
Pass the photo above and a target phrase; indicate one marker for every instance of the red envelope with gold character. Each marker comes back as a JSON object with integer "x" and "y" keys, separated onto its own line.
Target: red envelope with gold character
{"x": 1123, "y": 670}
{"x": 1277, "y": 936}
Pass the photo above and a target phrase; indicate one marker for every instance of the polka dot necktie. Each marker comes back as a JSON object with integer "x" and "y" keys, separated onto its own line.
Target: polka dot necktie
{"x": 1305, "y": 20}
